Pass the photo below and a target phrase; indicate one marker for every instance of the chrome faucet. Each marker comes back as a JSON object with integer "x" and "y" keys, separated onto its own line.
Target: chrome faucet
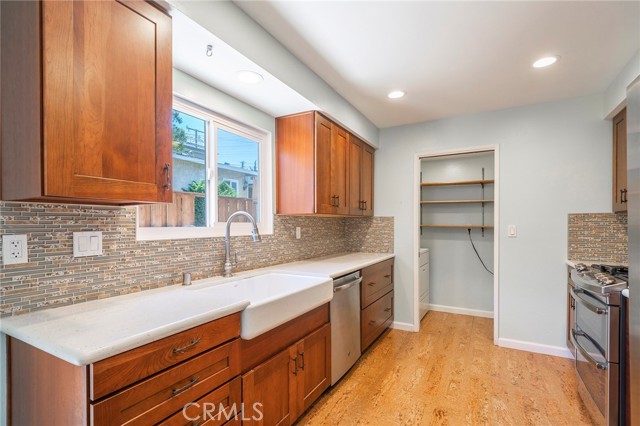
{"x": 228, "y": 265}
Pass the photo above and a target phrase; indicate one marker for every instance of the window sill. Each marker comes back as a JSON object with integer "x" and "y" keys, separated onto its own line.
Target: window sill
{"x": 238, "y": 229}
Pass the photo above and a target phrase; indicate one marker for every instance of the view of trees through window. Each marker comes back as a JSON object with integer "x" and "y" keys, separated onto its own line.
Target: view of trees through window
{"x": 233, "y": 163}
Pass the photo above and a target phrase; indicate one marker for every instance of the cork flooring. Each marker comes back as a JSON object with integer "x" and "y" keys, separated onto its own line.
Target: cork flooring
{"x": 451, "y": 374}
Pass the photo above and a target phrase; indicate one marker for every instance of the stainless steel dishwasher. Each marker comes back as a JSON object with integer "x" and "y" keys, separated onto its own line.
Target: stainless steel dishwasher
{"x": 345, "y": 324}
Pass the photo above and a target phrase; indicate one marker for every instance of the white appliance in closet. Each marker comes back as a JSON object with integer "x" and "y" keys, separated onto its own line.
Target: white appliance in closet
{"x": 423, "y": 278}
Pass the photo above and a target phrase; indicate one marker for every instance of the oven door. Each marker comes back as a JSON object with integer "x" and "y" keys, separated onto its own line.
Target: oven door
{"x": 598, "y": 375}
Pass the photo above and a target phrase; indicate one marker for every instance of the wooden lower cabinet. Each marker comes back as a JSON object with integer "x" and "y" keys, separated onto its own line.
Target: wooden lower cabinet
{"x": 190, "y": 378}
{"x": 376, "y": 301}
{"x": 198, "y": 365}
{"x": 278, "y": 391}
{"x": 376, "y": 318}
{"x": 315, "y": 368}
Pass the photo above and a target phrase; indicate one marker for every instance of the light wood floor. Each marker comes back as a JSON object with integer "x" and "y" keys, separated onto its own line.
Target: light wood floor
{"x": 451, "y": 374}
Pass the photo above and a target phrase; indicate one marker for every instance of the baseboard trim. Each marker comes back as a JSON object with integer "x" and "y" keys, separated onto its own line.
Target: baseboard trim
{"x": 403, "y": 326}
{"x": 461, "y": 311}
{"x": 535, "y": 347}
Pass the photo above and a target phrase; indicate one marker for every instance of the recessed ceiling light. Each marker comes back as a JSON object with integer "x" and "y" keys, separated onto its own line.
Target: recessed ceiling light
{"x": 545, "y": 62}
{"x": 249, "y": 77}
{"x": 395, "y": 94}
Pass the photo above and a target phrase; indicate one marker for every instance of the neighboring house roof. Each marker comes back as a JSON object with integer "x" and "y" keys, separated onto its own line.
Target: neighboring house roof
{"x": 220, "y": 165}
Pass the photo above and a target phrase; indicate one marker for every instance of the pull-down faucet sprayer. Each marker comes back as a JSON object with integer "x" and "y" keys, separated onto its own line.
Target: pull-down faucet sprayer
{"x": 228, "y": 265}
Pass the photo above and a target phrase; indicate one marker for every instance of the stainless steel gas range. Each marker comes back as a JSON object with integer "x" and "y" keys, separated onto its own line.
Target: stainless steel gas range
{"x": 597, "y": 334}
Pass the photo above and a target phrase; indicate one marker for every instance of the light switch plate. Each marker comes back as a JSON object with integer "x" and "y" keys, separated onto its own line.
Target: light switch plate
{"x": 87, "y": 243}
{"x": 512, "y": 231}
{"x": 15, "y": 249}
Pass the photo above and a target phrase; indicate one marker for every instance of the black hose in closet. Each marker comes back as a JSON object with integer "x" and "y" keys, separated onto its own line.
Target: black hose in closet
{"x": 477, "y": 254}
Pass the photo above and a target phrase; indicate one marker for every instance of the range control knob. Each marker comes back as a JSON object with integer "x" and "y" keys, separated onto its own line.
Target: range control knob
{"x": 581, "y": 267}
{"x": 605, "y": 279}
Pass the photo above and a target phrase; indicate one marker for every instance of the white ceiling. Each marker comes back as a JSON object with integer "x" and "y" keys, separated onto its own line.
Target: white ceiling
{"x": 453, "y": 58}
{"x": 190, "y": 42}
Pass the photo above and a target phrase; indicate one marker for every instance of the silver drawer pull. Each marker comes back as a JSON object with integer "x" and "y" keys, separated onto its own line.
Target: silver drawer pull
{"x": 186, "y": 348}
{"x": 371, "y": 284}
{"x": 584, "y": 302}
{"x": 388, "y": 276}
{"x": 372, "y": 322}
{"x": 192, "y": 382}
{"x": 387, "y": 310}
{"x": 583, "y": 351}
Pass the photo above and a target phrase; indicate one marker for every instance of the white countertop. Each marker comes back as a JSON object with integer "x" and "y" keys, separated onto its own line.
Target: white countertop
{"x": 334, "y": 266}
{"x": 88, "y": 332}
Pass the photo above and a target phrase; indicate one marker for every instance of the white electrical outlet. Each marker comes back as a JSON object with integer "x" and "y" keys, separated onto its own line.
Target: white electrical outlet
{"x": 298, "y": 233}
{"x": 14, "y": 249}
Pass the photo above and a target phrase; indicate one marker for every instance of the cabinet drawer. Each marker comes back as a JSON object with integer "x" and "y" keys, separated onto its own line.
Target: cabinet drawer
{"x": 213, "y": 409}
{"x": 164, "y": 394}
{"x": 112, "y": 374}
{"x": 376, "y": 318}
{"x": 377, "y": 280}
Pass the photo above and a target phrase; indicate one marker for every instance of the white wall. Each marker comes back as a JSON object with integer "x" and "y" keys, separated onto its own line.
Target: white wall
{"x": 209, "y": 97}
{"x": 616, "y": 93}
{"x": 555, "y": 158}
{"x": 231, "y": 24}
{"x": 457, "y": 278}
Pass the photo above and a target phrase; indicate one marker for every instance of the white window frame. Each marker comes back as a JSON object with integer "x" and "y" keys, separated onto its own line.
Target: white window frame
{"x": 265, "y": 152}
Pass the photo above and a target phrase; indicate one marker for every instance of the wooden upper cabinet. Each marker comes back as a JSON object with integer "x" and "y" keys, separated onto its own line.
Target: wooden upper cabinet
{"x": 620, "y": 162}
{"x": 324, "y": 152}
{"x": 315, "y": 167}
{"x": 339, "y": 170}
{"x": 361, "y": 157}
{"x": 103, "y": 117}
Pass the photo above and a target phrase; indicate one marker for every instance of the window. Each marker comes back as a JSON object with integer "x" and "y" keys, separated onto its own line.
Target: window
{"x": 219, "y": 167}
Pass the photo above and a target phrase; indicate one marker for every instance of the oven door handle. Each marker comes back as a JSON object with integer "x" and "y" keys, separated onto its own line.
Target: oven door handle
{"x": 583, "y": 351}
{"x": 593, "y": 308}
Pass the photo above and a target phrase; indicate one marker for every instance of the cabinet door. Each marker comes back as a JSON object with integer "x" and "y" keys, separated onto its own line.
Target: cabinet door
{"x": 315, "y": 366}
{"x": 106, "y": 100}
{"x": 324, "y": 191}
{"x": 366, "y": 180}
{"x": 339, "y": 170}
{"x": 355, "y": 160}
{"x": 267, "y": 391}
{"x": 620, "y": 162}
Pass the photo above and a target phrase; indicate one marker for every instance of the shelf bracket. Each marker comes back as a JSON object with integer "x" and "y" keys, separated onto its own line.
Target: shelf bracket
{"x": 482, "y": 185}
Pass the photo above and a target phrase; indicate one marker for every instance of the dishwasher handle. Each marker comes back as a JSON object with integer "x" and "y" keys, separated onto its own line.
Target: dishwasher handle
{"x": 347, "y": 285}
